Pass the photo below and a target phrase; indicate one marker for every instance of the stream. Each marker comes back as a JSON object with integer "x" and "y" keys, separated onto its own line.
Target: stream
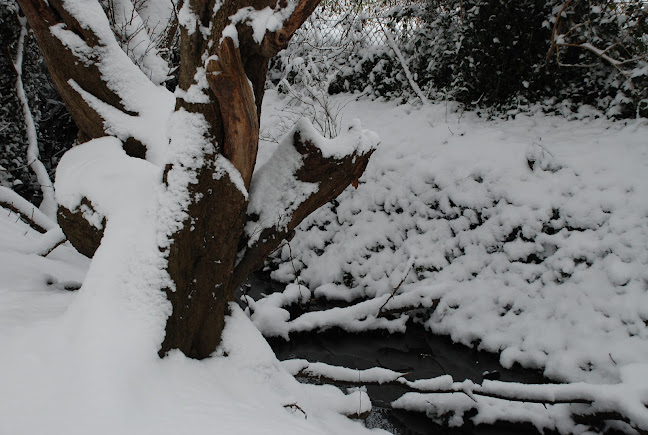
{"x": 417, "y": 352}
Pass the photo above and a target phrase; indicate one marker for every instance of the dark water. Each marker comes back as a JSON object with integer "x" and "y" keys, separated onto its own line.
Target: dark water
{"x": 416, "y": 352}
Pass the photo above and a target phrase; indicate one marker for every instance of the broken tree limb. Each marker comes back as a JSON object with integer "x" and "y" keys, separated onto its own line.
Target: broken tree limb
{"x": 302, "y": 164}
{"x": 82, "y": 234}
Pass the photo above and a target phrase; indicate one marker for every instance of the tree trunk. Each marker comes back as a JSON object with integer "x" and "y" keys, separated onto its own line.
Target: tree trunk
{"x": 223, "y": 67}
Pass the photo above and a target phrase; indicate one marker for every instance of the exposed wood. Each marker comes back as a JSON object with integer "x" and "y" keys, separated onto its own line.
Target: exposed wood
{"x": 82, "y": 235}
{"x": 228, "y": 81}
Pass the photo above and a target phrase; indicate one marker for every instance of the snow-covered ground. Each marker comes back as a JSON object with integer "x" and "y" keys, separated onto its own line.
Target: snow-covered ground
{"x": 527, "y": 237}
{"x": 66, "y": 367}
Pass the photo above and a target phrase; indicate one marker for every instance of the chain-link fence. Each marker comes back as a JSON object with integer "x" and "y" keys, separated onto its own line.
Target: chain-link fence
{"x": 326, "y": 30}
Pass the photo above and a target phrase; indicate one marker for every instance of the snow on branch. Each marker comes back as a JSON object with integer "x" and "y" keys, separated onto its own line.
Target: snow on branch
{"x": 401, "y": 58}
{"x": 387, "y": 312}
{"x": 76, "y": 37}
{"x": 27, "y": 211}
{"x": 48, "y": 205}
{"x": 329, "y": 373}
{"x": 51, "y": 237}
{"x": 88, "y": 176}
{"x": 137, "y": 35}
{"x": 559, "y": 407}
{"x": 493, "y": 401}
{"x": 619, "y": 52}
{"x": 277, "y": 40}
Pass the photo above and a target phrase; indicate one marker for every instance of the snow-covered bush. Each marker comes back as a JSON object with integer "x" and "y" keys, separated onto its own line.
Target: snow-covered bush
{"x": 305, "y": 71}
{"x": 507, "y": 56}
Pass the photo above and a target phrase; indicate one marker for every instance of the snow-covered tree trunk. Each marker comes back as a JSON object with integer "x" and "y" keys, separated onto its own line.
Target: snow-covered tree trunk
{"x": 216, "y": 219}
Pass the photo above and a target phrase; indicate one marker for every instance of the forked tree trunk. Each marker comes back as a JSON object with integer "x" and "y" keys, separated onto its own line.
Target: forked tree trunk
{"x": 222, "y": 76}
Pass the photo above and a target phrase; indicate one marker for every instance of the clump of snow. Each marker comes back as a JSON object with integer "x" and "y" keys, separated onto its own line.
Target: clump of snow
{"x": 197, "y": 91}
{"x": 188, "y": 19}
{"x": 354, "y": 140}
{"x": 97, "y": 170}
{"x": 189, "y": 146}
{"x": 275, "y": 191}
{"x": 261, "y": 21}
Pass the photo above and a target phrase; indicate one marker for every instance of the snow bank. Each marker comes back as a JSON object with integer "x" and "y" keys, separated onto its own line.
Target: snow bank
{"x": 535, "y": 228}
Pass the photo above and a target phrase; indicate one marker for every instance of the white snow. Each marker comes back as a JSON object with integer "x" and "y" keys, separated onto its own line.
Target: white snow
{"x": 87, "y": 361}
{"x": 261, "y": 21}
{"x": 525, "y": 237}
{"x": 546, "y": 266}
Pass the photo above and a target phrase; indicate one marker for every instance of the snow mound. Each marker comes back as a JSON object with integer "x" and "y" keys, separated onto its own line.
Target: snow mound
{"x": 86, "y": 362}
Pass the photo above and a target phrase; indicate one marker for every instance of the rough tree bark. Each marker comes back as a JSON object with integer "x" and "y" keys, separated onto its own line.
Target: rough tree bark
{"x": 224, "y": 61}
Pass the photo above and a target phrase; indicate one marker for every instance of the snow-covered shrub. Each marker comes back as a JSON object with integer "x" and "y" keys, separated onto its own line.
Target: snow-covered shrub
{"x": 507, "y": 55}
{"x": 304, "y": 72}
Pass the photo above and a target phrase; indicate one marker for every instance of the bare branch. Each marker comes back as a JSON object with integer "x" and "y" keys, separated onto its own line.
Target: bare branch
{"x": 554, "y": 30}
{"x": 380, "y": 310}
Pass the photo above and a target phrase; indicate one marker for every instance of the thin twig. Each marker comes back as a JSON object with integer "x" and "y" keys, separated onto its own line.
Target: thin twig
{"x": 380, "y": 310}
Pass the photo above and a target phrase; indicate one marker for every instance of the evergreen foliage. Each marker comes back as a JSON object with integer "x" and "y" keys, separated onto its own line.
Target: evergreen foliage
{"x": 507, "y": 55}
